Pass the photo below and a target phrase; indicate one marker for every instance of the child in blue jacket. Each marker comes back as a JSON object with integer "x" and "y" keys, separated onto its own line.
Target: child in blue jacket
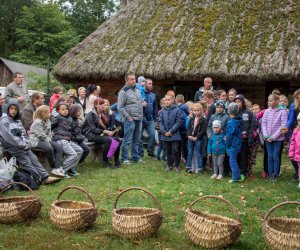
{"x": 216, "y": 150}
{"x": 234, "y": 141}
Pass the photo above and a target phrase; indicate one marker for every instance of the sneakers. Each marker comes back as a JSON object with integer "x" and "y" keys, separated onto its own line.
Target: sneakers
{"x": 242, "y": 178}
{"x": 73, "y": 172}
{"x": 198, "y": 171}
{"x": 168, "y": 168}
{"x": 220, "y": 177}
{"x": 214, "y": 176}
{"x": 177, "y": 169}
{"x": 58, "y": 172}
{"x": 126, "y": 162}
{"x": 298, "y": 185}
{"x": 189, "y": 170}
{"x": 67, "y": 176}
{"x": 139, "y": 161}
{"x": 51, "y": 180}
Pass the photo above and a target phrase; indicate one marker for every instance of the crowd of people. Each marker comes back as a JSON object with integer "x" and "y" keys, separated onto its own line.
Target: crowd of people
{"x": 219, "y": 130}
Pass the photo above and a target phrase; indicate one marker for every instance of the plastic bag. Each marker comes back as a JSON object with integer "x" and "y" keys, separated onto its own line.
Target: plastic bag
{"x": 7, "y": 168}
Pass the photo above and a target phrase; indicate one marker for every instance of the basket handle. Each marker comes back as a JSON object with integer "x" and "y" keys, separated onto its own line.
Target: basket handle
{"x": 78, "y": 188}
{"x": 138, "y": 188}
{"x": 279, "y": 205}
{"x": 19, "y": 183}
{"x": 235, "y": 210}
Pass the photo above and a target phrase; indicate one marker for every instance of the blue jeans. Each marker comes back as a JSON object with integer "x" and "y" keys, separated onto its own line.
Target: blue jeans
{"x": 132, "y": 136}
{"x": 150, "y": 128}
{"x": 160, "y": 149}
{"x": 191, "y": 147}
{"x": 273, "y": 150}
{"x": 236, "y": 174}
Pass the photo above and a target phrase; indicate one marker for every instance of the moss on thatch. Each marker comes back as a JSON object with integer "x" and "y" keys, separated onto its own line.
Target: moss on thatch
{"x": 188, "y": 39}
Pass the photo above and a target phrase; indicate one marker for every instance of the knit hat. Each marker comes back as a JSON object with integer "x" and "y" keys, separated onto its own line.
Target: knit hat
{"x": 298, "y": 117}
{"x": 141, "y": 79}
{"x": 233, "y": 109}
{"x": 216, "y": 124}
{"x": 220, "y": 103}
{"x": 240, "y": 97}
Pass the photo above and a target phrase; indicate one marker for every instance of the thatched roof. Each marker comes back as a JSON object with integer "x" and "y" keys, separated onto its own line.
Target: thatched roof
{"x": 189, "y": 39}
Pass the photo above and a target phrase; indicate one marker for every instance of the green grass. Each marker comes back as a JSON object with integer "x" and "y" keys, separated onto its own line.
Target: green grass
{"x": 104, "y": 185}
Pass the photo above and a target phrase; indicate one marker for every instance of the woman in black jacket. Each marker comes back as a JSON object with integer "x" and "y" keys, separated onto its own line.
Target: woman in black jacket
{"x": 95, "y": 129}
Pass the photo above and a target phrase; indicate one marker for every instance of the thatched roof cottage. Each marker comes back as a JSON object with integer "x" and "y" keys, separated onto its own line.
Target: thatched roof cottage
{"x": 251, "y": 45}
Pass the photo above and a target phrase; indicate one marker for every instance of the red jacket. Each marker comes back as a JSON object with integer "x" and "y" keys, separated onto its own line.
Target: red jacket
{"x": 53, "y": 98}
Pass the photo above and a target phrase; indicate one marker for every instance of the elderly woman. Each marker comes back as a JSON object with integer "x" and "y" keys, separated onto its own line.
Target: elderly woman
{"x": 96, "y": 129}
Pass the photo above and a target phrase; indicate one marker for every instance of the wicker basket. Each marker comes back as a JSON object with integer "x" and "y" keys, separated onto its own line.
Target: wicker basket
{"x": 73, "y": 215}
{"x": 18, "y": 208}
{"x": 282, "y": 232}
{"x": 211, "y": 230}
{"x": 136, "y": 222}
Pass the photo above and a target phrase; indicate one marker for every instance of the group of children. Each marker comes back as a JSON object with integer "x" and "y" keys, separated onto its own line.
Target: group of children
{"x": 222, "y": 130}
{"x": 226, "y": 134}
{"x": 59, "y": 134}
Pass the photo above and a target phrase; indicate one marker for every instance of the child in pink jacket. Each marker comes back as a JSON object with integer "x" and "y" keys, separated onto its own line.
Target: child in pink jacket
{"x": 294, "y": 152}
{"x": 274, "y": 119}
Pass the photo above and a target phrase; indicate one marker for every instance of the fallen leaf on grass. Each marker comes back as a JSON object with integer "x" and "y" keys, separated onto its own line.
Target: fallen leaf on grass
{"x": 243, "y": 198}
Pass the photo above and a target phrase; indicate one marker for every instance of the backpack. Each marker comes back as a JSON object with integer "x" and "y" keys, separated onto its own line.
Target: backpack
{"x": 27, "y": 177}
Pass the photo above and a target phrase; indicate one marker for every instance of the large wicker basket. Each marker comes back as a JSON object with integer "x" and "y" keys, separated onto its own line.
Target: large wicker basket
{"x": 18, "y": 208}
{"x": 136, "y": 222}
{"x": 282, "y": 232}
{"x": 211, "y": 230}
{"x": 73, "y": 215}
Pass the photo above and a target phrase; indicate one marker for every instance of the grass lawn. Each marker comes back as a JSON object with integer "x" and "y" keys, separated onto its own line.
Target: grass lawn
{"x": 174, "y": 191}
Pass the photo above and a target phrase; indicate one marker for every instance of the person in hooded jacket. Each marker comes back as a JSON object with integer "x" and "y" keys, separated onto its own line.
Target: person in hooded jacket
{"x": 247, "y": 135}
{"x": 234, "y": 141}
{"x": 219, "y": 115}
{"x": 14, "y": 139}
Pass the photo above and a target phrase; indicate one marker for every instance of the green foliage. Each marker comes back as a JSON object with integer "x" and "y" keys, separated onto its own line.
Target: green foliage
{"x": 175, "y": 193}
{"x": 39, "y": 82}
{"x": 86, "y": 15}
{"x": 43, "y": 31}
{"x": 9, "y": 14}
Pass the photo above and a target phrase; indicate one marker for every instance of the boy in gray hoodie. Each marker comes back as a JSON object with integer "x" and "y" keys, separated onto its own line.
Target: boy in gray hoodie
{"x": 14, "y": 139}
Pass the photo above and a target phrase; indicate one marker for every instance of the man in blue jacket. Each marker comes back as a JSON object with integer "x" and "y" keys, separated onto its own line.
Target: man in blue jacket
{"x": 150, "y": 118}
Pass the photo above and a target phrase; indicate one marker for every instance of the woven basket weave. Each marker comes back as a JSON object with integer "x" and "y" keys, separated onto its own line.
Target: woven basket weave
{"x": 211, "y": 230}
{"x": 136, "y": 222}
{"x": 18, "y": 208}
{"x": 73, "y": 215}
{"x": 282, "y": 232}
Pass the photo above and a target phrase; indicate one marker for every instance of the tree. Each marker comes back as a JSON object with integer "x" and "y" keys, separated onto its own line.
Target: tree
{"x": 87, "y": 15}
{"x": 9, "y": 13}
{"x": 43, "y": 31}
